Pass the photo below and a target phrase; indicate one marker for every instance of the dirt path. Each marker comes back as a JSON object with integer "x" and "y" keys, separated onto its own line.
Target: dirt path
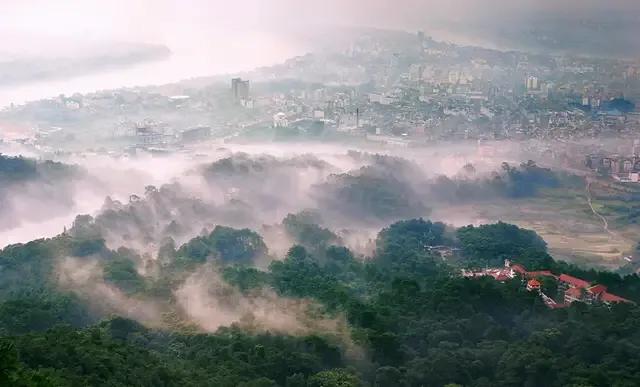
{"x": 605, "y": 223}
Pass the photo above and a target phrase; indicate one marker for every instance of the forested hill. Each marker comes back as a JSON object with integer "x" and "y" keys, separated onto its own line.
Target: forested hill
{"x": 33, "y": 191}
{"x": 212, "y": 313}
{"x": 20, "y": 169}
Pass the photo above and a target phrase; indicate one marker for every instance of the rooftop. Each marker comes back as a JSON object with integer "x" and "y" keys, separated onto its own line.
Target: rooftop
{"x": 540, "y": 273}
{"x": 574, "y": 292}
{"x": 608, "y": 297}
{"x": 573, "y": 281}
{"x": 534, "y": 283}
{"x": 598, "y": 289}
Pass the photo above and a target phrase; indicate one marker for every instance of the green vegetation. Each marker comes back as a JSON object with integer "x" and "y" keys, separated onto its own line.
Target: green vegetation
{"x": 36, "y": 310}
{"x": 16, "y": 168}
{"x": 122, "y": 273}
{"x": 494, "y": 243}
{"x": 617, "y": 202}
{"x": 379, "y": 192}
{"x": 304, "y": 229}
{"x": 403, "y": 246}
{"x": 515, "y": 182}
{"x": 228, "y": 244}
{"x": 20, "y": 169}
{"x": 120, "y": 352}
{"x": 620, "y": 104}
{"x": 410, "y": 320}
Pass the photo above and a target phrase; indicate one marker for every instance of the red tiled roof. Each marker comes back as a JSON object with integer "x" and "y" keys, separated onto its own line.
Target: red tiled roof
{"x": 608, "y": 297}
{"x": 574, "y": 292}
{"x": 501, "y": 277}
{"x": 534, "y": 283}
{"x": 573, "y": 281}
{"x": 597, "y": 289}
{"x": 540, "y": 273}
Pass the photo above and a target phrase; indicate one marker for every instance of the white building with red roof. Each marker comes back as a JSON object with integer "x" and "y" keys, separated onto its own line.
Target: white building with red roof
{"x": 572, "y": 288}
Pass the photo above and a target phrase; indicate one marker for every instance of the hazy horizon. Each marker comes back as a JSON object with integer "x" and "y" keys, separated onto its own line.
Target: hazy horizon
{"x": 216, "y": 37}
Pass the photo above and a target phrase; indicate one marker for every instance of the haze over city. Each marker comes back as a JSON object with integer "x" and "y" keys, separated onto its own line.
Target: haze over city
{"x": 319, "y": 193}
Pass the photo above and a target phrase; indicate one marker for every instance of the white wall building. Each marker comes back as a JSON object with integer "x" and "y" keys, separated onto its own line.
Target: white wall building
{"x": 280, "y": 120}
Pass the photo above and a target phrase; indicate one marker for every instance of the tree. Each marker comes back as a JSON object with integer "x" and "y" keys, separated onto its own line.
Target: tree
{"x": 334, "y": 378}
{"x": 296, "y": 380}
{"x": 620, "y": 104}
{"x": 495, "y": 242}
{"x": 38, "y": 310}
{"x": 304, "y": 229}
{"x": 404, "y": 247}
{"x": 388, "y": 376}
{"x": 374, "y": 192}
{"x": 260, "y": 382}
{"x": 121, "y": 272}
{"x": 9, "y": 364}
{"x": 227, "y": 244}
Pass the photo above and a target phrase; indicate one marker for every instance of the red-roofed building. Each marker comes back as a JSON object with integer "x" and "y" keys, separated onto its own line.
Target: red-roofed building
{"x": 597, "y": 290}
{"x": 501, "y": 277}
{"x": 522, "y": 271}
{"x": 533, "y": 285}
{"x": 541, "y": 273}
{"x": 596, "y": 293}
{"x": 572, "y": 295}
{"x": 519, "y": 269}
{"x": 573, "y": 281}
{"x": 575, "y": 289}
{"x": 609, "y": 298}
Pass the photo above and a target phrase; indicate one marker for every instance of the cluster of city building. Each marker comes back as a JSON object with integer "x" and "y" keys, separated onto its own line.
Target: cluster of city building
{"x": 397, "y": 88}
{"x": 428, "y": 90}
{"x": 569, "y": 289}
{"x": 622, "y": 168}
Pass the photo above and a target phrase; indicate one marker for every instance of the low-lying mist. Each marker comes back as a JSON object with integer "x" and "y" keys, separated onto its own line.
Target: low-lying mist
{"x": 203, "y": 301}
{"x": 139, "y": 201}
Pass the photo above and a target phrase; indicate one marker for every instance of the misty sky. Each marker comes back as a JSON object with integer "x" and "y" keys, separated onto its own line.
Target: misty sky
{"x": 220, "y": 36}
{"x": 187, "y": 24}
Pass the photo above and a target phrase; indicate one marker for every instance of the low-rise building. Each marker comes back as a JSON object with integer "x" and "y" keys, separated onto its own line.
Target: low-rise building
{"x": 533, "y": 285}
{"x": 570, "y": 288}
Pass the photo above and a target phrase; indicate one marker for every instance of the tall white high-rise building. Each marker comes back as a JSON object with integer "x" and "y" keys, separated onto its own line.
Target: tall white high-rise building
{"x": 239, "y": 89}
{"x": 532, "y": 83}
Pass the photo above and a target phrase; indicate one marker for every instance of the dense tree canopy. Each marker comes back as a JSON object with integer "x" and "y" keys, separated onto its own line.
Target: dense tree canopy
{"x": 512, "y": 182}
{"x": 15, "y": 170}
{"x": 410, "y": 320}
{"x": 304, "y": 228}
{"x": 383, "y": 191}
{"x": 495, "y": 242}
{"x": 227, "y": 244}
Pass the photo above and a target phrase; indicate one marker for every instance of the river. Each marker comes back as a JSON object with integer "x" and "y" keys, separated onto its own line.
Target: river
{"x": 217, "y": 55}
